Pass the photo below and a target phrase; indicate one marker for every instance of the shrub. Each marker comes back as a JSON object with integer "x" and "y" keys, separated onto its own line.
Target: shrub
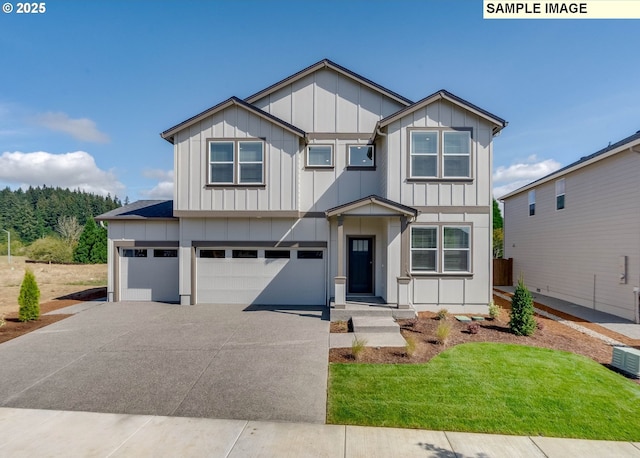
{"x": 410, "y": 346}
{"x": 92, "y": 245}
{"x": 29, "y": 298}
{"x": 50, "y": 249}
{"x": 473, "y": 328}
{"x": 357, "y": 347}
{"x": 494, "y": 310}
{"x": 2, "y": 322}
{"x": 522, "y": 322}
{"x": 442, "y": 314}
{"x": 442, "y": 332}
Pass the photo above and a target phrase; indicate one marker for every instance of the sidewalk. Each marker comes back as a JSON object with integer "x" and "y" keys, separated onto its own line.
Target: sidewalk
{"x": 37, "y": 433}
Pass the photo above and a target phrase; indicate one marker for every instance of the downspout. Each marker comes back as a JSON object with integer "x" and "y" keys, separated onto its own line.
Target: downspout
{"x": 379, "y": 132}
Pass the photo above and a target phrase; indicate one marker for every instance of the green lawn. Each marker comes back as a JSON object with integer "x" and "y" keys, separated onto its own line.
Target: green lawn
{"x": 490, "y": 388}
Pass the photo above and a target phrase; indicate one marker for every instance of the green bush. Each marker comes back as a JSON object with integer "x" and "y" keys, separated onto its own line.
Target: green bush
{"x": 92, "y": 246}
{"x": 522, "y": 322}
{"x": 29, "y": 298}
{"x": 50, "y": 249}
{"x": 494, "y": 310}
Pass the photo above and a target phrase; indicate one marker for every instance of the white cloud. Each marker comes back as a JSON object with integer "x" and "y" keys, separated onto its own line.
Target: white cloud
{"x": 164, "y": 188}
{"x": 68, "y": 170}
{"x": 517, "y": 175}
{"x": 81, "y": 129}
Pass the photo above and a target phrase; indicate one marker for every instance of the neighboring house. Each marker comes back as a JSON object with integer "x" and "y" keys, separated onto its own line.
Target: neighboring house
{"x": 321, "y": 187}
{"x": 575, "y": 234}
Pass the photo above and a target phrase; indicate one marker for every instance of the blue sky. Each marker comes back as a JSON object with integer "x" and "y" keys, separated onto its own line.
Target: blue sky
{"x": 86, "y": 87}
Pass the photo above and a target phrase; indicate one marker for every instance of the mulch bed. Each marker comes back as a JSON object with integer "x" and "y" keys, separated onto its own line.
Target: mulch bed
{"x": 14, "y": 328}
{"x": 422, "y": 330}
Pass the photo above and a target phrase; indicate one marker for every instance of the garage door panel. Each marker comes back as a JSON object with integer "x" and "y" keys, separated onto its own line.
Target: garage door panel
{"x": 153, "y": 277}
{"x": 289, "y": 281}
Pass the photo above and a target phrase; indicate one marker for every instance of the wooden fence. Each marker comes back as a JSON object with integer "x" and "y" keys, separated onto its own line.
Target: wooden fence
{"x": 503, "y": 272}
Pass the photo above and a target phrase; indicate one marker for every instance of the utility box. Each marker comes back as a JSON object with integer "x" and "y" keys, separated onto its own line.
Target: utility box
{"x": 627, "y": 359}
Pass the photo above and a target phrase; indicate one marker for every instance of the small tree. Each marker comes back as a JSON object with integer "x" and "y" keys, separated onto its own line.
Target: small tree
{"x": 29, "y": 298}
{"x": 92, "y": 246}
{"x": 522, "y": 322}
{"x": 69, "y": 229}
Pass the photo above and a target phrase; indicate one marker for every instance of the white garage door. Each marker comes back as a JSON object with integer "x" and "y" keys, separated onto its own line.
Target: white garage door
{"x": 256, "y": 276}
{"x": 149, "y": 274}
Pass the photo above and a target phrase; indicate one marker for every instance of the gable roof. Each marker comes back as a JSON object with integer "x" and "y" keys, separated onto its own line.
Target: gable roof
{"x": 141, "y": 209}
{"x": 443, "y": 94}
{"x": 326, "y": 63}
{"x": 375, "y": 200}
{"x": 169, "y": 133}
{"x": 626, "y": 143}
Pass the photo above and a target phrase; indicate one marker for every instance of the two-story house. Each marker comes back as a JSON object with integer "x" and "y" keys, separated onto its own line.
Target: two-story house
{"x": 321, "y": 187}
{"x": 575, "y": 233}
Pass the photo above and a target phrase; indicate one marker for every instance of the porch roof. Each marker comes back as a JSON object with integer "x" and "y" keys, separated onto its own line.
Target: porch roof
{"x": 372, "y": 206}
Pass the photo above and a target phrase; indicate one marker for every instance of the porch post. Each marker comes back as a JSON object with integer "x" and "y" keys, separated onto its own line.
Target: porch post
{"x": 403, "y": 293}
{"x": 404, "y": 247}
{"x": 340, "y": 299}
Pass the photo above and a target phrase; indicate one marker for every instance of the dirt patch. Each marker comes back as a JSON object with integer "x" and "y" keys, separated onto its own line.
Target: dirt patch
{"x": 54, "y": 280}
{"x": 422, "y": 331}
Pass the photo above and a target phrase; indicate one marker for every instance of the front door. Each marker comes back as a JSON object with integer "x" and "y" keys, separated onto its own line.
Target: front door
{"x": 360, "y": 275}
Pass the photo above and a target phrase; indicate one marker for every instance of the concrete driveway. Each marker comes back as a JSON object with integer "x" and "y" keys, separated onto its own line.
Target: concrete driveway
{"x": 213, "y": 361}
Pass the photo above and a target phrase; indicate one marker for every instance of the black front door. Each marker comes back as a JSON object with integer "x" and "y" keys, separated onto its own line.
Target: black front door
{"x": 360, "y": 279}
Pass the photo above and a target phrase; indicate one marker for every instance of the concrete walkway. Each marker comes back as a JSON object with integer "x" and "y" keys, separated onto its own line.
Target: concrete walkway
{"x": 611, "y": 322}
{"x": 39, "y": 433}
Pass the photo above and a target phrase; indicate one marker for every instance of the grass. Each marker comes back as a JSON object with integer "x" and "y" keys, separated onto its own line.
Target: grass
{"x": 490, "y": 388}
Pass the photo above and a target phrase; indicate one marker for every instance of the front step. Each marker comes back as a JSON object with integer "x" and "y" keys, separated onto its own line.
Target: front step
{"x": 374, "y": 310}
{"x": 374, "y": 324}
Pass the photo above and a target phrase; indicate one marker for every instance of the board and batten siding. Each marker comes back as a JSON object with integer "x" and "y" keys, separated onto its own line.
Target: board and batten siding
{"x": 327, "y": 101}
{"x": 440, "y": 114}
{"x": 467, "y": 293}
{"x": 573, "y": 254}
{"x": 282, "y": 150}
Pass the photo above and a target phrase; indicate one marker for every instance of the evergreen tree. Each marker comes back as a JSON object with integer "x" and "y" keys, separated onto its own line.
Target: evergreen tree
{"x": 498, "y": 223}
{"x": 98, "y": 253}
{"x": 522, "y": 322}
{"x": 82, "y": 253}
{"x": 29, "y": 298}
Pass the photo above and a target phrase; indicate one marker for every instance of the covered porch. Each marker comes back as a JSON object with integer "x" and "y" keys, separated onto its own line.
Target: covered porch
{"x": 369, "y": 264}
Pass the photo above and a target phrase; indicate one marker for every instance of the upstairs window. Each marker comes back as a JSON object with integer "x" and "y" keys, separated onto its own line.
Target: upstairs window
{"x": 440, "y": 154}
{"x": 236, "y": 162}
{"x": 532, "y": 202}
{"x": 320, "y": 156}
{"x": 560, "y": 194}
{"x": 361, "y": 156}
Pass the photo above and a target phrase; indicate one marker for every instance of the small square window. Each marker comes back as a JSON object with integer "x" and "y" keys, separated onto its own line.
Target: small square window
{"x": 134, "y": 253}
{"x": 212, "y": 254}
{"x": 361, "y": 156}
{"x": 165, "y": 253}
{"x": 277, "y": 254}
{"x": 320, "y": 156}
{"x": 310, "y": 254}
{"x": 246, "y": 254}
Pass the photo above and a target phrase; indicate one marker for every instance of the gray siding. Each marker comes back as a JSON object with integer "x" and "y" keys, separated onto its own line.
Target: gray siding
{"x": 327, "y": 101}
{"x": 573, "y": 254}
{"x": 282, "y": 152}
{"x": 446, "y": 193}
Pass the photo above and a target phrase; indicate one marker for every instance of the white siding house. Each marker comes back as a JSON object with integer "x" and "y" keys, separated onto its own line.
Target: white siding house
{"x": 323, "y": 187}
{"x": 575, "y": 234}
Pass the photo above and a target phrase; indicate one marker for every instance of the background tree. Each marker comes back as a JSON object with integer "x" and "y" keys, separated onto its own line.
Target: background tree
{"x": 69, "y": 229}
{"x": 29, "y": 298}
{"x": 92, "y": 245}
{"x": 498, "y": 231}
{"x": 522, "y": 322}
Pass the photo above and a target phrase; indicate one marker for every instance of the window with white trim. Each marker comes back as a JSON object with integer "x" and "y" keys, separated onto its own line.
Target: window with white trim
{"x": 440, "y": 154}
{"x": 320, "y": 156}
{"x": 236, "y": 162}
{"x": 440, "y": 249}
{"x": 560, "y": 194}
{"x": 532, "y": 202}
{"x": 361, "y": 156}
